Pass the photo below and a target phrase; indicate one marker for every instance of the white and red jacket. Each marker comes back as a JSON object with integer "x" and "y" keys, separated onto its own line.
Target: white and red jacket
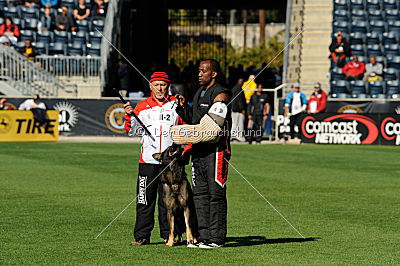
{"x": 158, "y": 118}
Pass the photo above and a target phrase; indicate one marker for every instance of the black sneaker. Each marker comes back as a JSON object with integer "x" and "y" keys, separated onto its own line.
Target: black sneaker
{"x": 140, "y": 242}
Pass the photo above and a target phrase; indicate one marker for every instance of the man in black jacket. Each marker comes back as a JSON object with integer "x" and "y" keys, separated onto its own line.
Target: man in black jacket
{"x": 258, "y": 110}
{"x": 238, "y": 111}
{"x": 209, "y": 160}
{"x": 340, "y": 49}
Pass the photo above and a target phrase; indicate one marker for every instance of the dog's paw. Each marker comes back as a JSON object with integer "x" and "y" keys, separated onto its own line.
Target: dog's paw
{"x": 169, "y": 243}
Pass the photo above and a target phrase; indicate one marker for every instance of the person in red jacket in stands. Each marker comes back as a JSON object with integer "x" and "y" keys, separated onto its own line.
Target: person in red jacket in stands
{"x": 10, "y": 30}
{"x": 317, "y": 101}
{"x": 354, "y": 70}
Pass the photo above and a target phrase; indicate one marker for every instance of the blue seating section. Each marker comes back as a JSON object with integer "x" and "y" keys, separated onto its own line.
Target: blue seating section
{"x": 372, "y": 27}
{"x": 86, "y": 41}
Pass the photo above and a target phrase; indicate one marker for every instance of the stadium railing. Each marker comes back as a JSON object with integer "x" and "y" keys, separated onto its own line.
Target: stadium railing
{"x": 27, "y": 77}
{"x": 72, "y": 68}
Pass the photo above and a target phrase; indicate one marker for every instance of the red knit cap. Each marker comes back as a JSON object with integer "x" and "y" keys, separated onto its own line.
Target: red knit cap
{"x": 160, "y": 76}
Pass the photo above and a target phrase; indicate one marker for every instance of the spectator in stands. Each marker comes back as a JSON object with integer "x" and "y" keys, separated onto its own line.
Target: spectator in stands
{"x": 354, "y": 70}
{"x": 81, "y": 11}
{"x": 10, "y": 30}
{"x": 238, "y": 111}
{"x": 249, "y": 84}
{"x": 257, "y": 110}
{"x": 295, "y": 106}
{"x": 64, "y": 21}
{"x": 51, "y": 3}
{"x": 374, "y": 70}
{"x": 4, "y": 105}
{"x": 340, "y": 49}
{"x": 317, "y": 101}
{"x": 47, "y": 20}
{"x": 99, "y": 8}
{"x": 5, "y": 41}
{"x": 28, "y": 50}
{"x": 30, "y": 3}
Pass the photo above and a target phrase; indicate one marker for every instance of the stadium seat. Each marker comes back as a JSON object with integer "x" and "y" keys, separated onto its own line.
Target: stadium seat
{"x": 343, "y": 95}
{"x": 374, "y": 50}
{"x": 97, "y": 24}
{"x": 358, "y": 14}
{"x": 342, "y": 26}
{"x": 392, "y": 87}
{"x": 95, "y": 37}
{"x": 359, "y": 26}
{"x": 44, "y": 36}
{"x": 357, "y": 4}
{"x": 341, "y": 15}
{"x": 357, "y": 38}
{"x": 18, "y": 22}
{"x": 358, "y": 86}
{"x": 390, "y": 73}
{"x": 41, "y": 47}
{"x": 393, "y": 62}
{"x": 340, "y": 5}
{"x": 378, "y": 96}
{"x": 30, "y": 24}
{"x": 373, "y": 38}
{"x": 376, "y": 87}
{"x": 29, "y": 12}
{"x": 1, "y": 20}
{"x": 390, "y": 4}
{"x": 75, "y": 49}
{"x": 395, "y": 96}
{"x": 381, "y": 59}
{"x": 78, "y": 37}
{"x": 61, "y": 36}
{"x": 360, "y": 95}
{"x": 57, "y": 48}
{"x": 392, "y": 49}
{"x": 93, "y": 49}
{"x": 3, "y": 3}
{"x": 374, "y": 4}
{"x": 10, "y": 11}
{"x": 377, "y": 26}
{"x": 362, "y": 58}
{"x": 357, "y": 49}
{"x": 20, "y": 45}
{"x": 336, "y": 74}
{"x": 339, "y": 86}
{"x": 392, "y": 14}
{"x": 390, "y": 38}
{"x": 394, "y": 26}
{"x": 83, "y": 25}
{"x": 375, "y": 14}
{"x": 27, "y": 35}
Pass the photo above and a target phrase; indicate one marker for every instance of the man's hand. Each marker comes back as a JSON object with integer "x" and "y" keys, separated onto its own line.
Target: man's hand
{"x": 265, "y": 117}
{"x": 128, "y": 108}
{"x": 180, "y": 100}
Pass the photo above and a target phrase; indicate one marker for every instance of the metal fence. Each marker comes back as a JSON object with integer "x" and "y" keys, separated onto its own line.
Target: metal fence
{"x": 26, "y": 76}
{"x": 72, "y": 68}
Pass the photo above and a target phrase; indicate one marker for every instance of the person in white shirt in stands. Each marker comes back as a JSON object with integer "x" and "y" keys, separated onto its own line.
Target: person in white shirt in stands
{"x": 373, "y": 71}
{"x": 295, "y": 106}
{"x": 32, "y": 103}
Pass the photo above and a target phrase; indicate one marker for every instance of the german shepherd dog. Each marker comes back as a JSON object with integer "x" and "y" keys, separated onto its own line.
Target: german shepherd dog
{"x": 177, "y": 194}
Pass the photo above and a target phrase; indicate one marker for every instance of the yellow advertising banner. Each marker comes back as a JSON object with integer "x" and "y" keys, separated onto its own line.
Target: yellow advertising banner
{"x": 19, "y": 126}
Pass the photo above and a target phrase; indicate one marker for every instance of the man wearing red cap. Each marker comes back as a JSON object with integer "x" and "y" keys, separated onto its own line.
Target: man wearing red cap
{"x": 157, "y": 113}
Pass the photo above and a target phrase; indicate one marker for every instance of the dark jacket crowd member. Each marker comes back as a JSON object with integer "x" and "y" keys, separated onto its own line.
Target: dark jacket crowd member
{"x": 209, "y": 160}
{"x": 257, "y": 110}
{"x": 340, "y": 49}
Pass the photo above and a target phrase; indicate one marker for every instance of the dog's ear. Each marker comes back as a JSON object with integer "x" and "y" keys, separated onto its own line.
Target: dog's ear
{"x": 157, "y": 156}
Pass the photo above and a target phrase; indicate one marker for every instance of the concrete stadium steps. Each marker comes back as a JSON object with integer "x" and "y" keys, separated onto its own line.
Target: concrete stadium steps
{"x": 314, "y": 62}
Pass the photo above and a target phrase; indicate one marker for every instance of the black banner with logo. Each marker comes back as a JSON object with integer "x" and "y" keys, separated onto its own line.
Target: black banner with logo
{"x": 334, "y": 128}
{"x": 86, "y": 117}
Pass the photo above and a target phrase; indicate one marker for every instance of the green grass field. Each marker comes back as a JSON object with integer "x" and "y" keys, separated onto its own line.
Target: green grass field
{"x": 56, "y": 197}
